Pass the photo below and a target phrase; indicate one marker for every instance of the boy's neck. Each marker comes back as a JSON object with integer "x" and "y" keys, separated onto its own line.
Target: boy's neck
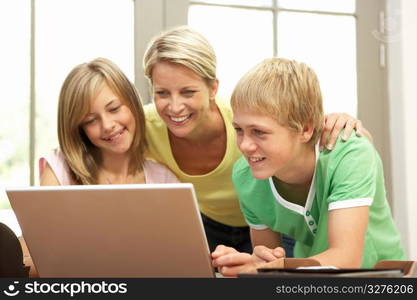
{"x": 296, "y": 185}
{"x": 302, "y": 170}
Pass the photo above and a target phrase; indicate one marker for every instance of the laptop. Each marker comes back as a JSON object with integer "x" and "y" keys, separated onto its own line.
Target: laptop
{"x": 139, "y": 230}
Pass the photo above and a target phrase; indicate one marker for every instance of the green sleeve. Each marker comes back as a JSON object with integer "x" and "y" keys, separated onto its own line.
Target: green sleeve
{"x": 354, "y": 168}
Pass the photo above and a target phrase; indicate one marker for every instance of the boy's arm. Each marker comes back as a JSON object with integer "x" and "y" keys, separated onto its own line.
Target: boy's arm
{"x": 231, "y": 262}
{"x": 265, "y": 237}
{"x": 346, "y": 231}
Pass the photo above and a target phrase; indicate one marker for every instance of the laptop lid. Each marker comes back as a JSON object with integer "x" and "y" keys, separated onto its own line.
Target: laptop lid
{"x": 141, "y": 230}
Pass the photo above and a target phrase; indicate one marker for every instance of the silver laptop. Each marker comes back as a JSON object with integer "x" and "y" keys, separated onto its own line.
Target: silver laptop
{"x": 141, "y": 230}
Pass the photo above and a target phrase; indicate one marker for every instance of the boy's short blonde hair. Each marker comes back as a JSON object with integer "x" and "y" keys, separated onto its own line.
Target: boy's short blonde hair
{"x": 184, "y": 46}
{"x": 286, "y": 90}
{"x": 80, "y": 86}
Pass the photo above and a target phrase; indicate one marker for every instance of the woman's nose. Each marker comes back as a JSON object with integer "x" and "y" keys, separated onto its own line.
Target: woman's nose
{"x": 176, "y": 105}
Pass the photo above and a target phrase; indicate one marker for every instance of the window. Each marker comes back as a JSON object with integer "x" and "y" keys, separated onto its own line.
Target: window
{"x": 321, "y": 33}
{"x": 246, "y": 48}
{"x": 45, "y": 41}
{"x": 15, "y": 91}
{"x": 102, "y": 29}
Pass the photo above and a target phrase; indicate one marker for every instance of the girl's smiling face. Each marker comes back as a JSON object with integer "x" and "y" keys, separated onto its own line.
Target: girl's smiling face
{"x": 110, "y": 124}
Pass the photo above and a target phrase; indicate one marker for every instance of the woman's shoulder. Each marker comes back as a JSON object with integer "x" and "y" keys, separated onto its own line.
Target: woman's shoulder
{"x": 150, "y": 112}
{"x": 224, "y": 107}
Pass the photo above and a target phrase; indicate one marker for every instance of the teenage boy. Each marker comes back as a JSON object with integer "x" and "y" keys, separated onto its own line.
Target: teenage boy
{"x": 332, "y": 203}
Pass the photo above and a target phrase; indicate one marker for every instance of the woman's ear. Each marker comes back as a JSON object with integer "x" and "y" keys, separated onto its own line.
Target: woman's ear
{"x": 213, "y": 89}
{"x": 307, "y": 133}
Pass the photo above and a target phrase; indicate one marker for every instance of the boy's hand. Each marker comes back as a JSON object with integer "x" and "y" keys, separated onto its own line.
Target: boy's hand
{"x": 266, "y": 254}
{"x": 336, "y": 122}
{"x": 230, "y": 262}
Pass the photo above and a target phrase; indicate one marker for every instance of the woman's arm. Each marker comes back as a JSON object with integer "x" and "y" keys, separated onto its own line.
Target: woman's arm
{"x": 346, "y": 235}
{"x": 335, "y": 123}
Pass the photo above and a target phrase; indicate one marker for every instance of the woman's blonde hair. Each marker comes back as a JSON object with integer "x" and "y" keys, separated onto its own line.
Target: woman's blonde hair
{"x": 184, "y": 46}
{"x": 81, "y": 85}
{"x": 286, "y": 90}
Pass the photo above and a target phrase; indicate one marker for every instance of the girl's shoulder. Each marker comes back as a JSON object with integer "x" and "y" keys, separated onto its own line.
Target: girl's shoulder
{"x": 158, "y": 173}
{"x": 56, "y": 161}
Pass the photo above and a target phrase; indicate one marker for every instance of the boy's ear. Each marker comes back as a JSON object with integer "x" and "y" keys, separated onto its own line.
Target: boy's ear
{"x": 307, "y": 133}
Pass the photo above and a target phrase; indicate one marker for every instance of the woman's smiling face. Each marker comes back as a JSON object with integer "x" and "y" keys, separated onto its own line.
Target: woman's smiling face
{"x": 182, "y": 98}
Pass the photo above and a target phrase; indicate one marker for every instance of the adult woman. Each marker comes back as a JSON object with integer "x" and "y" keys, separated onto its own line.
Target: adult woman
{"x": 191, "y": 132}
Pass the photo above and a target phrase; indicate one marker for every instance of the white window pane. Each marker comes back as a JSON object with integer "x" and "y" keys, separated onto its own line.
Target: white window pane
{"x": 255, "y": 3}
{"x": 69, "y": 32}
{"x": 15, "y": 82}
{"x": 240, "y": 37}
{"x": 341, "y": 6}
{"x": 327, "y": 44}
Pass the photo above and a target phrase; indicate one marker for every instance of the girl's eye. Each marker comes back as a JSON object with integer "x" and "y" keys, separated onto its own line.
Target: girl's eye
{"x": 89, "y": 122}
{"x": 114, "y": 109}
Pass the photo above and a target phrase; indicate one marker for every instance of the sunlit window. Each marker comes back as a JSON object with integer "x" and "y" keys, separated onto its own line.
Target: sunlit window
{"x": 339, "y": 6}
{"x": 82, "y": 30}
{"x": 327, "y": 43}
{"x": 236, "y": 40}
{"x": 321, "y": 33}
{"x": 15, "y": 95}
{"x": 66, "y": 33}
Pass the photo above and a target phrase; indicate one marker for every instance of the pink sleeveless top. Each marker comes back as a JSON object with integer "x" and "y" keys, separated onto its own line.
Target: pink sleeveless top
{"x": 154, "y": 172}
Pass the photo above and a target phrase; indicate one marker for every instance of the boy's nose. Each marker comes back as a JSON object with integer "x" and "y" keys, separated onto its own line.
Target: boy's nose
{"x": 246, "y": 145}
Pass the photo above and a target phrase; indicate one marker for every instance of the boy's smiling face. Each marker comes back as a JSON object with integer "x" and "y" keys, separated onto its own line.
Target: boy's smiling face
{"x": 270, "y": 148}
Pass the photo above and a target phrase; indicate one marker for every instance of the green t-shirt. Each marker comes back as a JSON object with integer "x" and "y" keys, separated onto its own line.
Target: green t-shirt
{"x": 351, "y": 175}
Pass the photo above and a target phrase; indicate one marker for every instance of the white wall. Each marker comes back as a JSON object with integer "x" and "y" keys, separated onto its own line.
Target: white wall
{"x": 401, "y": 39}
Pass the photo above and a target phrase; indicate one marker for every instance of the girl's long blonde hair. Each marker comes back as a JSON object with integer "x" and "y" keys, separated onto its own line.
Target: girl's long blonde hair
{"x": 80, "y": 86}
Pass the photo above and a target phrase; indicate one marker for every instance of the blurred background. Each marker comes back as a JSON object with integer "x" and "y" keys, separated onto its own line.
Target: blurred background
{"x": 364, "y": 53}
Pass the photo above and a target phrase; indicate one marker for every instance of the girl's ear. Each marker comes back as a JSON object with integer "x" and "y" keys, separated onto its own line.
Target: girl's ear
{"x": 214, "y": 89}
{"x": 307, "y": 133}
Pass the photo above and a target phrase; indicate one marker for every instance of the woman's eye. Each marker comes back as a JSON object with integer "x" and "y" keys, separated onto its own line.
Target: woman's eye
{"x": 189, "y": 92}
{"x": 162, "y": 93}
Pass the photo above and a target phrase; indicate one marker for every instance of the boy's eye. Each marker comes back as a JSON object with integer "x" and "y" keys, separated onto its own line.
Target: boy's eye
{"x": 238, "y": 130}
{"x": 258, "y": 132}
